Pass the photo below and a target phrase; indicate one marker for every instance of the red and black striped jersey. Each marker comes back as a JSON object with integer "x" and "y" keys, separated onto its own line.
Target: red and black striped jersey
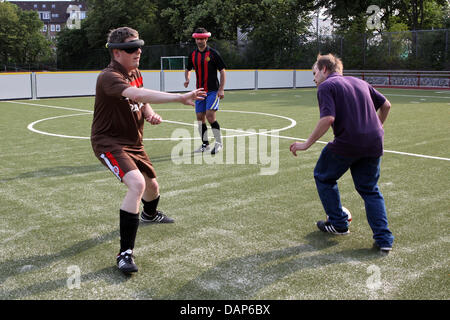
{"x": 206, "y": 64}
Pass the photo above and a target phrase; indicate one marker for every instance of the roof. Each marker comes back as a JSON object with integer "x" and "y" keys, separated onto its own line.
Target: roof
{"x": 57, "y": 9}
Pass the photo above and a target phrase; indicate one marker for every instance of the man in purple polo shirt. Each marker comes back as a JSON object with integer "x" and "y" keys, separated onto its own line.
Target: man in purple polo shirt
{"x": 356, "y": 112}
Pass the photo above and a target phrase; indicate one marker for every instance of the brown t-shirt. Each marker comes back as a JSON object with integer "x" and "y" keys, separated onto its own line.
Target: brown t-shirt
{"x": 118, "y": 121}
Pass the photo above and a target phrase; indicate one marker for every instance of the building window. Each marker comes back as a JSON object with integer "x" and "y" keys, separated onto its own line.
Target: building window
{"x": 35, "y": 6}
{"x": 55, "y": 15}
{"x": 44, "y": 6}
{"x": 44, "y": 29}
{"x": 82, "y": 15}
{"x": 52, "y": 28}
{"x": 53, "y": 6}
{"x": 44, "y": 15}
{"x": 58, "y": 28}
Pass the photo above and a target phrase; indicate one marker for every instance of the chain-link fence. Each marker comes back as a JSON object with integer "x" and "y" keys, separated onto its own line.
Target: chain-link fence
{"x": 413, "y": 50}
{"x": 408, "y": 50}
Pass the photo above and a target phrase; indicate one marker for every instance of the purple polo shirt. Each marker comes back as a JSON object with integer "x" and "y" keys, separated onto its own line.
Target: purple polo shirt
{"x": 353, "y": 103}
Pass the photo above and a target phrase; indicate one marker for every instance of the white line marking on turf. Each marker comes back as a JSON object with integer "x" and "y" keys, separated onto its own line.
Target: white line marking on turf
{"x": 244, "y": 133}
{"x": 386, "y": 151}
{"x": 19, "y": 234}
{"x": 414, "y": 96}
{"x": 30, "y": 127}
{"x": 48, "y": 106}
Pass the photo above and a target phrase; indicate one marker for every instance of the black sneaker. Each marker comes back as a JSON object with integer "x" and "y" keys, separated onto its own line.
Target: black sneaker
{"x": 326, "y": 226}
{"x": 125, "y": 262}
{"x": 383, "y": 250}
{"x": 217, "y": 148}
{"x": 159, "y": 217}
{"x": 204, "y": 147}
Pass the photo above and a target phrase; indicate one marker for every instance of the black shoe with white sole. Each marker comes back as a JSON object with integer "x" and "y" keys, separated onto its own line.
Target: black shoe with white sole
{"x": 217, "y": 147}
{"x": 326, "y": 226}
{"x": 125, "y": 262}
{"x": 383, "y": 250}
{"x": 204, "y": 147}
{"x": 159, "y": 217}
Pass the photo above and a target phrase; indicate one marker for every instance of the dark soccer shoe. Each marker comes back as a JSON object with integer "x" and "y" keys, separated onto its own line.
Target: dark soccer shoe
{"x": 326, "y": 226}
{"x": 204, "y": 147}
{"x": 125, "y": 262}
{"x": 217, "y": 147}
{"x": 383, "y": 250}
{"x": 159, "y": 217}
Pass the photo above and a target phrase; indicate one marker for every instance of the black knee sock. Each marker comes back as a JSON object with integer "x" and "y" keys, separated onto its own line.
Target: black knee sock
{"x": 216, "y": 131}
{"x": 204, "y": 133}
{"x": 150, "y": 206}
{"x": 129, "y": 223}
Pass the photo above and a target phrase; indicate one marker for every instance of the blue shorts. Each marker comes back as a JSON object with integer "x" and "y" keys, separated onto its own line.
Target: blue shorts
{"x": 211, "y": 102}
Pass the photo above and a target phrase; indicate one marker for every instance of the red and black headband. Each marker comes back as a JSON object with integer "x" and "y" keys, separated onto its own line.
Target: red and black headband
{"x": 204, "y": 35}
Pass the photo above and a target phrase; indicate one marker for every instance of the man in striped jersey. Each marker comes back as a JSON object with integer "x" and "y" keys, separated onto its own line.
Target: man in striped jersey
{"x": 122, "y": 105}
{"x": 206, "y": 62}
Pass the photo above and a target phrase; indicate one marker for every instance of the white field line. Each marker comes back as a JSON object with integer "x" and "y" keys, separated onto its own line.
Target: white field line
{"x": 47, "y": 106}
{"x": 415, "y": 96}
{"x": 19, "y": 234}
{"x": 239, "y": 131}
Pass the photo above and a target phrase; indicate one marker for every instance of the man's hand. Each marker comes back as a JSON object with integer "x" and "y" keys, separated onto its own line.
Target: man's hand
{"x": 186, "y": 83}
{"x": 298, "y": 146}
{"x": 221, "y": 94}
{"x": 189, "y": 98}
{"x": 153, "y": 118}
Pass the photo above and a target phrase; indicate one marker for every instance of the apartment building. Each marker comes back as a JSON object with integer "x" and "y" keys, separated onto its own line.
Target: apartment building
{"x": 56, "y": 15}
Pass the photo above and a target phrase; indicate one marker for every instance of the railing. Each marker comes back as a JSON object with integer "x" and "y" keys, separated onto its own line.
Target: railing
{"x": 403, "y": 78}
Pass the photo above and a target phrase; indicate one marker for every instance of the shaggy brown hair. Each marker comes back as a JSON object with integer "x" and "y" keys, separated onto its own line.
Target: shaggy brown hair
{"x": 331, "y": 62}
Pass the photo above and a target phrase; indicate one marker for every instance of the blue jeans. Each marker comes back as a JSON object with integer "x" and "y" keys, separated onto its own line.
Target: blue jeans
{"x": 365, "y": 173}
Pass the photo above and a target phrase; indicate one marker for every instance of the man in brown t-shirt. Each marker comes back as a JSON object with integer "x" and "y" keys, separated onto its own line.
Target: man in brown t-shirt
{"x": 121, "y": 107}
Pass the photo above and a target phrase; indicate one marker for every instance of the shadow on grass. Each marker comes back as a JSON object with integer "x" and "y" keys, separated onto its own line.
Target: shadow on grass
{"x": 31, "y": 264}
{"x": 59, "y": 171}
{"x": 243, "y": 277}
{"x": 237, "y": 278}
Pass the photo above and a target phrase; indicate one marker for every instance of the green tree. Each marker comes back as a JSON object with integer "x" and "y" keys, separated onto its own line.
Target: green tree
{"x": 105, "y": 15}
{"x": 20, "y": 38}
{"x": 277, "y": 30}
{"x": 219, "y": 17}
{"x": 350, "y": 15}
{"x": 423, "y": 14}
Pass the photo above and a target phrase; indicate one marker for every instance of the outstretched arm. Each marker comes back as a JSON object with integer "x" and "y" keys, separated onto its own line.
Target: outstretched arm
{"x": 152, "y": 96}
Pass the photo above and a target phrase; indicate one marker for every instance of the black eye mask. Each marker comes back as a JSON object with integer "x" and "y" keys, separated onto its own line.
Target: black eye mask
{"x": 129, "y": 47}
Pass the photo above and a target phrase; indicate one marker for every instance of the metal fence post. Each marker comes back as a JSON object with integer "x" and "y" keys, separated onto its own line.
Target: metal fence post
{"x": 294, "y": 79}
{"x": 161, "y": 80}
{"x": 446, "y": 44}
{"x": 33, "y": 86}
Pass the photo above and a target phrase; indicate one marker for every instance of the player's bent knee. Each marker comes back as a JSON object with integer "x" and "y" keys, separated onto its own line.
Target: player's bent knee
{"x": 135, "y": 181}
{"x": 152, "y": 185}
